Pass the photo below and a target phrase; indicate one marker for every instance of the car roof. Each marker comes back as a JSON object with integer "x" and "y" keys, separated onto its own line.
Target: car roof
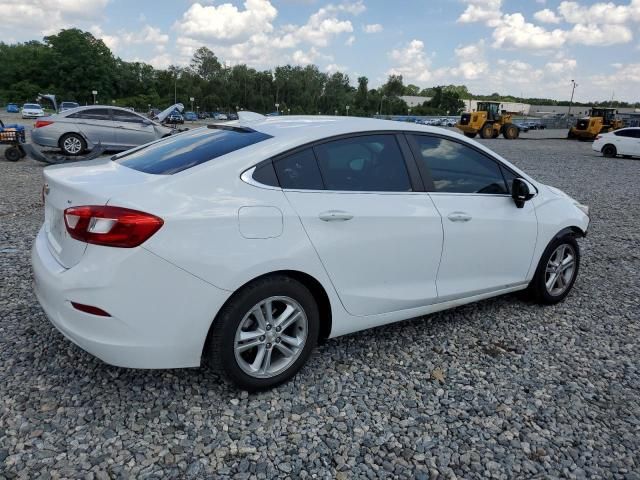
{"x": 303, "y": 129}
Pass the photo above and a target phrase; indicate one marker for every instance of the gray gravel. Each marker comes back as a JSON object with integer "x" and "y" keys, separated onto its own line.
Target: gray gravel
{"x": 524, "y": 391}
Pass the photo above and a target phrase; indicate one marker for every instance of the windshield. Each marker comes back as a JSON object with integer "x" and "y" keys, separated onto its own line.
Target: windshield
{"x": 185, "y": 150}
{"x": 31, "y": 105}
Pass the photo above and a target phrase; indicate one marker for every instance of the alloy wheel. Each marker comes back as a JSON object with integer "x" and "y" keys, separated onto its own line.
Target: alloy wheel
{"x": 270, "y": 337}
{"x": 560, "y": 270}
{"x": 72, "y": 145}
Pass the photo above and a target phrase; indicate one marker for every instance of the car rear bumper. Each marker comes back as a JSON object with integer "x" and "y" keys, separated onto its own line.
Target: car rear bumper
{"x": 160, "y": 314}
{"x": 41, "y": 136}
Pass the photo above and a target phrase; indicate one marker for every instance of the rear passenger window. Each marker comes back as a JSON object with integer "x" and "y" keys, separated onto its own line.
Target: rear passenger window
{"x": 299, "y": 171}
{"x": 365, "y": 163}
{"x": 92, "y": 114}
{"x": 456, "y": 168}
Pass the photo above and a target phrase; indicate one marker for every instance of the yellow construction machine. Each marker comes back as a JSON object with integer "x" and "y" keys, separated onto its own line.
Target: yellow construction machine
{"x": 489, "y": 121}
{"x": 600, "y": 120}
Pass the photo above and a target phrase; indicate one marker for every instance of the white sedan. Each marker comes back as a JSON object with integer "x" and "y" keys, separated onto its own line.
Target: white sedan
{"x": 244, "y": 244}
{"x": 32, "y": 110}
{"x": 625, "y": 141}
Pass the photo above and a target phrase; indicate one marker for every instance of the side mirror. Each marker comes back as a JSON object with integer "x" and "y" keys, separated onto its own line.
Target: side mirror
{"x": 520, "y": 192}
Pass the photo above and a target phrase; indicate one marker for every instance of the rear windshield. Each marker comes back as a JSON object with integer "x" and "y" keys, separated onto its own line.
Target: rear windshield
{"x": 188, "y": 149}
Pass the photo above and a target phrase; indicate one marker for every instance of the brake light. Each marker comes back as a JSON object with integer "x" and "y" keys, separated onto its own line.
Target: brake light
{"x": 110, "y": 226}
{"x": 42, "y": 123}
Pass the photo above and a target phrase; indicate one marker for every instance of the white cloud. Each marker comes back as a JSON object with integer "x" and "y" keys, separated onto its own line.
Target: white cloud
{"x": 546, "y": 16}
{"x": 350, "y": 41}
{"x": 226, "y": 23}
{"x": 411, "y": 62}
{"x": 513, "y": 32}
{"x": 300, "y": 57}
{"x": 487, "y": 11}
{"x": 45, "y": 17}
{"x": 609, "y": 13}
{"x": 333, "y": 68}
{"x": 372, "y": 28}
{"x": 600, "y": 35}
{"x": 561, "y": 65}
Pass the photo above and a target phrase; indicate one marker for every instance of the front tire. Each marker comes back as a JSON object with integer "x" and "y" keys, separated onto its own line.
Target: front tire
{"x": 609, "y": 151}
{"x": 557, "y": 271}
{"x": 470, "y": 135}
{"x": 264, "y": 334}
{"x": 72, "y": 144}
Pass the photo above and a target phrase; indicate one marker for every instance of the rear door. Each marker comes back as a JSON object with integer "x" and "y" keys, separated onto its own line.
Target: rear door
{"x": 488, "y": 241}
{"x": 96, "y": 125}
{"x": 132, "y": 130}
{"x": 378, "y": 236}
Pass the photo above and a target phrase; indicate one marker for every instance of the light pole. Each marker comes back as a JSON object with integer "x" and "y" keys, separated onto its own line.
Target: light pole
{"x": 573, "y": 89}
{"x": 335, "y": 112}
{"x": 288, "y": 111}
{"x": 381, "y": 100}
{"x": 191, "y": 99}
{"x": 409, "y": 111}
{"x": 348, "y": 110}
{"x": 278, "y": 108}
{"x": 94, "y": 93}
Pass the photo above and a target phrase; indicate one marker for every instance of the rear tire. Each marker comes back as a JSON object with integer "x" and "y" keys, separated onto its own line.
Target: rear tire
{"x": 487, "y": 131}
{"x": 12, "y": 154}
{"x": 470, "y": 135}
{"x": 609, "y": 151}
{"x": 510, "y": 131}
{"x": 72, "y": 144}
{"x": 246, "y": 314}
{"x": 557, "y": 271}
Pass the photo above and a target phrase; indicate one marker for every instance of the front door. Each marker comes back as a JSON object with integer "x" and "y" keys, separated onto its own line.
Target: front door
{"x": 380, "y": 241}
{"x": 132, "y": 129}
{"x": 96, "y": 125}
{"x": 488, "y": 241}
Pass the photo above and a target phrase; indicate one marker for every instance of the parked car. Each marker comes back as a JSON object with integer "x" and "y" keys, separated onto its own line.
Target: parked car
{"x": 32, "y": 110}
{"x": 258, "y": 239}
{"x": 13, "y": 108}
{"x": 625, "y": 141}
{"x": 175, "y": 117}
{"x": 190, "y": 116}
{"x": 522, "y": 127}
{"x": 64, "y": 106}
{"x": 220, "y": 116}
{"x": 203, "y": 115}
{"x": 232, "y": 116}
{"x": 81, "y": 129}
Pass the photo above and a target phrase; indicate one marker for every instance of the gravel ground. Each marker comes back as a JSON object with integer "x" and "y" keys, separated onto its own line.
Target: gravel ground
{"x": 501, "y": 389}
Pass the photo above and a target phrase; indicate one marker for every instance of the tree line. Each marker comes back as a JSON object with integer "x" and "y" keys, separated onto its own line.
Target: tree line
{"x": 73, "y": 63}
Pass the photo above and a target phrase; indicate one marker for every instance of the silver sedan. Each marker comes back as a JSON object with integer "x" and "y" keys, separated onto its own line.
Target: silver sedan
{"x": 80, "y": 129}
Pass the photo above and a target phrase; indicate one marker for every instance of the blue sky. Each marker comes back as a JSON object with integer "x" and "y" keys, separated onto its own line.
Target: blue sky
{"x": 528, "y": 47}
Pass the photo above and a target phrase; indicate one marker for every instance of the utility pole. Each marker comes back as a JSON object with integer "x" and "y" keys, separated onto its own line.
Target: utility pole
{"x": 571, "y": 101}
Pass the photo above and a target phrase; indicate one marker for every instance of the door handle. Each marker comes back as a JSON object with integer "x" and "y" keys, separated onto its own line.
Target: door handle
{"x": 459, "y": 217}
{"x": 335, "y": 216}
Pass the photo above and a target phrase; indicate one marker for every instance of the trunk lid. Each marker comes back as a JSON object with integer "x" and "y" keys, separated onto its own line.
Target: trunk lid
{"x": 86, "y": 183}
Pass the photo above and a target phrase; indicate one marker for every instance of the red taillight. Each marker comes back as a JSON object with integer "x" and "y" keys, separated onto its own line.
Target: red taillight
{"x": 110, "y": 226}
{"x": 42, "y": 123}
{"x": 90, "y": 309}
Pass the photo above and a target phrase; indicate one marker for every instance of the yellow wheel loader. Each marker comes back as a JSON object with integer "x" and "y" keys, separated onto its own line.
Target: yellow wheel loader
{"x": 489, "y": 121}
{"x": 600, "y": 120}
